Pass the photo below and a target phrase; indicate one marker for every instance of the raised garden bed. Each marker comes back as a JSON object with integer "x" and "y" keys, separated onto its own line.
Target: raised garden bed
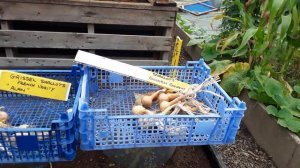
{"x": 282, "y": 145}
{"x": 194, "y": 51}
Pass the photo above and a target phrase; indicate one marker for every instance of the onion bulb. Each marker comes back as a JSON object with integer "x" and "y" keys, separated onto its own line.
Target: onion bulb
{"x": 167, "y": 97}
{"x": 170, "y": 91}
{"x": 147, "y": 100}
{"x": 3, "y": 117}
{"x": 140, "y": 110}
{"x": 164, "y": 104}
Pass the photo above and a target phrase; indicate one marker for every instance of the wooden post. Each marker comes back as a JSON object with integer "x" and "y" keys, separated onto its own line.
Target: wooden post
{"x": 91, "y": 30}
{"x": 10, "y": 52}
{"x": 168, "y": 33}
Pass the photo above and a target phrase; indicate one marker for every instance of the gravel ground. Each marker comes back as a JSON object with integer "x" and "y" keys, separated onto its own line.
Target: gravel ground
{"x": 245, "y": 153}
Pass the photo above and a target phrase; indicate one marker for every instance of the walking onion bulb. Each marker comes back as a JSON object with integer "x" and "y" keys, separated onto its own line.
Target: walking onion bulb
{"x": 167, "y": 97}
{"x": 147, "y": 100}
{"x": 140, "y": 110}
{"x": 164, "y": 104}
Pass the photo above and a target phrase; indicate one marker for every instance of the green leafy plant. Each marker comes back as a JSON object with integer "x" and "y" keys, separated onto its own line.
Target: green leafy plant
{"x": 184, "y": 24}
{"x": 263, "y": 49}
{"x": 197, "y": 34}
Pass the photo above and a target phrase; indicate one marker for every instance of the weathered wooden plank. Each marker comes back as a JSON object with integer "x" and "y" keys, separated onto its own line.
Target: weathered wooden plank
{"x": 91, "y": 30}
{"x": 166, "y": 55}
{"x": 9, "y": 52}
{"x": 55, "y": 62}
{"x": 84, "y": 14}
{"x": 40, "y": 39}
{"x": 193, "y": 51}
{"x": 107, "y": 4}
{"x": 163, "y": 3}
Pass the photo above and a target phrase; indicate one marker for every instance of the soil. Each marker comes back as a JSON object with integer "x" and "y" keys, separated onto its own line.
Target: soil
{"x": 245, "y": 153}
{"x": 187, "y": 157}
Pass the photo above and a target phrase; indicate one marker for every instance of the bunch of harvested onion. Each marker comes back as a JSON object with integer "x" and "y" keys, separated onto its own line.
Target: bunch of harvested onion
{"x": 174, "y": 102}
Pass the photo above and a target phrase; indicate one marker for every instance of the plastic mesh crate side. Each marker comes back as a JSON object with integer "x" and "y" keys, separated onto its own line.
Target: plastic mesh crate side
{"x": 92, "y": 77}
{"x": 67, "y": 116}
{"x": 24, "y": 146}
{"x": 42, "y": 144}
{"x": 70, "y": 154}
{"x": 237, "y": 115}
{"x": 129, "y": 131}
{"x": 86, "y": 116}
{"x": 70, "y": 144}
{"x": 27, "y": 145}
{"x": 86, "y": 120}
{"x": 86, "y": 85}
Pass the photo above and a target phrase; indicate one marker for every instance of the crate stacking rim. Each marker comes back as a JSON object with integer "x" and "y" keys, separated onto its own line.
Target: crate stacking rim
{"x": 51, "y": 135}
{"x": 106, "y": 120}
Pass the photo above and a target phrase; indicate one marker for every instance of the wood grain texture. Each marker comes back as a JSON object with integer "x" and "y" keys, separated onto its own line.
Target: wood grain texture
{"x": 107, "y": 4}
{"x": 91, "y": 30}
{"x": 166, "y": 55}
{"x": 40, "y": 39}
{"x": 85, "y": 14}
{"x": 9, "y": 52}
{"x": 163, "y": 3}
{"x": 55, "y": 62}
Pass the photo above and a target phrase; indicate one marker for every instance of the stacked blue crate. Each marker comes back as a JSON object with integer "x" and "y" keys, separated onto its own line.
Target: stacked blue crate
{"x": 51, "y": 131}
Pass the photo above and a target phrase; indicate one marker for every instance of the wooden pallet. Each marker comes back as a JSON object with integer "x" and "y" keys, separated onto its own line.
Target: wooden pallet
{"x": 49, "y": 32}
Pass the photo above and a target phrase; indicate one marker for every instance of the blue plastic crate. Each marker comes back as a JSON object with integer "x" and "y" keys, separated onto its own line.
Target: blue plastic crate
{"x": 106, "y": 120}
{"x": 53, "y": 134}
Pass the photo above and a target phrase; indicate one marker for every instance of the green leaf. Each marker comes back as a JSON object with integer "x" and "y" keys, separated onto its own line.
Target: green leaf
{"x": 285, "y": 24}
{"x": 261, "y": 48}
{"x": 247, "y": 36}
{"x": 228, "y": 40}
{"x": 194, "y": 41}
{"x": 187, "y": 29}
{"x": 261, "y": 97}
{"x": 297, "y": 89}
{"x": 296, "y": 18}
{"x": 298, "y": 107}
{"x": 284, "y": 113}
{"x": 229, "y": 52}
{"x": 292, "y": 2}
{"x": 282, "y": 123}
{"x": 241, "y": 52}
{"x": 234, "y": 78}
{"x": 219, "y": 67}
{"x": 209, "y": 51}
{"x": 273, "y": 88}
{"x": 293, "y": 124}
{"x": 274, "y": 9}
{"x": 272, "y": 110}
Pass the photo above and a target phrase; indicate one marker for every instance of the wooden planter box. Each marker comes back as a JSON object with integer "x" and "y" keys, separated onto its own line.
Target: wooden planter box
{"x": 282, "y": 145}
{"x": 49, "y": 32}
{"x": 193, "y": 51}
